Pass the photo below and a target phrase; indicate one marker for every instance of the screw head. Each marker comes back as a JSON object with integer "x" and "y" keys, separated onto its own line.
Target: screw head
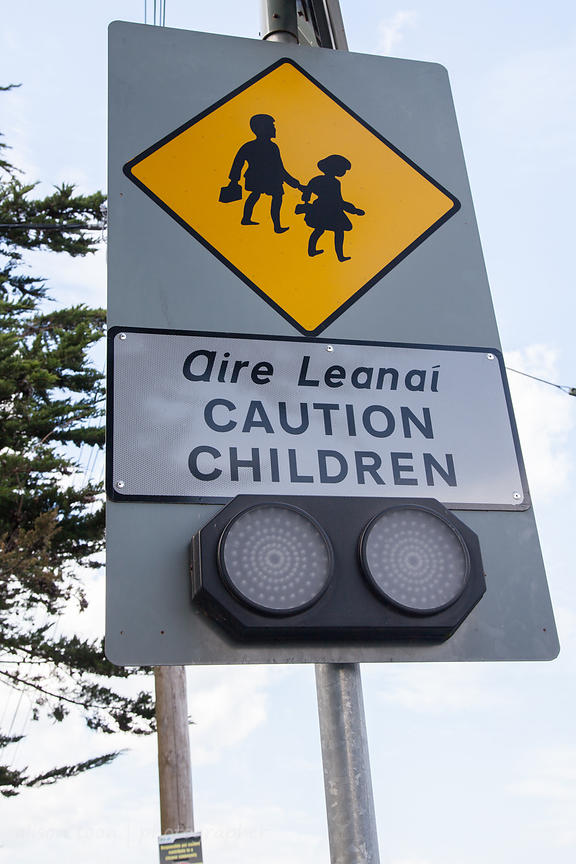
{"x": 329, "y": 347}
{"x": 122, "y": 336}
{"x": 119, "y": 484}
{"x": 490, "y": 356}
{"x": 517, "y": 496}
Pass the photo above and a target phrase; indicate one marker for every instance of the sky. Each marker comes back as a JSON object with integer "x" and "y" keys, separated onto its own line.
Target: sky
{"x": 470, "y": 762}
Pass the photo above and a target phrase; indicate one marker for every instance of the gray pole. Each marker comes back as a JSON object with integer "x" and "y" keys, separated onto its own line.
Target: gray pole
{"x": 279, "y": 21}
{"x": 174, "y": 767}
{"x": 334, "y": 15}
{"x": 347, "y": 781}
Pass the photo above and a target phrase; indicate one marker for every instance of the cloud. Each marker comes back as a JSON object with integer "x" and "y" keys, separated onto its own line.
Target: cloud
{"x": 551, "y": 783}
{"x": 391, "y": 30}
{"x": 530, "y": 96}
{"x": 228, "y": 832}
{"x": 117, "y": 806}
{"x": 552, "y": 775}
{"x": 566, "y": 623}
{"x": 72, "y": 280}
{"x": 411, "y": 861}
{"x": 216, "y": 694}
{"x": 545, "y": 419}
{"x": 454, "y": 687}
{"x": 48, "y": 824}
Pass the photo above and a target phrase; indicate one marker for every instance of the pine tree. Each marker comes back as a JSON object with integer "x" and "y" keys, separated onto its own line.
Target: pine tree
{"x": 51, "y": 524}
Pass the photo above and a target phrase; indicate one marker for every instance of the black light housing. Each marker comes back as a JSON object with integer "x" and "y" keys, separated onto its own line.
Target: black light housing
{"x": 319, "y": 568}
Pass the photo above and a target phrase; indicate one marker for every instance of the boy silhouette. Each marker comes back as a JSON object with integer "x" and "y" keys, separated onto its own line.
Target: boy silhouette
{"x": 265, "y": 174}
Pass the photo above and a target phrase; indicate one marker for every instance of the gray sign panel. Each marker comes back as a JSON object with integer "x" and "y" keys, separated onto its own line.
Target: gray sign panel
{"x": 161, "y": 276}
{"x": 208, "y": 416}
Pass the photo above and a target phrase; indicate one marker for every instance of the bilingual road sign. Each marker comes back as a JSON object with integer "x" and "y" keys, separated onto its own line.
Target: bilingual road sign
{"x": 317, "y": 252}
{"x": 205, "y": 417}
{"x": 367, "y": 151}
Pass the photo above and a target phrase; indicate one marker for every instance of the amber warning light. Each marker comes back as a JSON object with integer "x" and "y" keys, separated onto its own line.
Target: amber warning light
{"x": 308, "y": 567}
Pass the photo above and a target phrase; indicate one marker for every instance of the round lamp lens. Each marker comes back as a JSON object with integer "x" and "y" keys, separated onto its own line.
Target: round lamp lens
{"x": 415, "y": 559}
{"x": 276, "y": 558}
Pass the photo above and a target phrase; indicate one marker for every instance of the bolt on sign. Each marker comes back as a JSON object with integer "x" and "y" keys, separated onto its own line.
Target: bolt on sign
{"x": 261, "y": 194}
{"x": 294, "y": 192}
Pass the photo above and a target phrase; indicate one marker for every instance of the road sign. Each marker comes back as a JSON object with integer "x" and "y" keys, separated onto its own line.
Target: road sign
{"x": 163, "y": 277}
{"x": 205, "y": 417}
{"x": 322, "y": 158}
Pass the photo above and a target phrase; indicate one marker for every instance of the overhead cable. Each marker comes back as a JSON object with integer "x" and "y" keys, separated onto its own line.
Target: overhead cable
{"x": 571, "y": 391}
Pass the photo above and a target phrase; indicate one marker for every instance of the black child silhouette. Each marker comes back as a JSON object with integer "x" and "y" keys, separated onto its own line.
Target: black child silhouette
{"x": 265, "y": 174}
{"x": 327, "y": 212}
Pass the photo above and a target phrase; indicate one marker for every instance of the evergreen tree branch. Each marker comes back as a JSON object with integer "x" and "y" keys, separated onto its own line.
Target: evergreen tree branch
{"x": 61, "y": 698}
{"x": 12, "y": 780}
{"x": 51, "y": 407}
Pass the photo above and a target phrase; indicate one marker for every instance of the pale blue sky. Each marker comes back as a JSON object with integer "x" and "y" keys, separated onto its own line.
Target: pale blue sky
{"x": 471, "y": 763}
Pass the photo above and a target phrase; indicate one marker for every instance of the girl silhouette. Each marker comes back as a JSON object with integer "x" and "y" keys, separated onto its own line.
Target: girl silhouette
{"x": 328, "y": 210}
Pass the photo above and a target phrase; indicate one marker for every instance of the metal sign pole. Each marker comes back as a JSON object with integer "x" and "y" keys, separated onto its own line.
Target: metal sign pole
{"x": 348, "y": 786}
{"x": 279, "y": 21}
{"x": 345, "y": 756}
{"x": 347, "y": 782}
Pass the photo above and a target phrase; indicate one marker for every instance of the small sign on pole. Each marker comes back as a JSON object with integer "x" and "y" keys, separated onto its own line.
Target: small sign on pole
{"x": 183, "y": 848}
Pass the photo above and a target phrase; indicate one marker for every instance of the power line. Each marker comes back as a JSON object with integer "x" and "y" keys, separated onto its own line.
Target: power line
{"x": 31, "y": 226}
{"x": 571, "y": 391}
{"x": 158, "y": 13}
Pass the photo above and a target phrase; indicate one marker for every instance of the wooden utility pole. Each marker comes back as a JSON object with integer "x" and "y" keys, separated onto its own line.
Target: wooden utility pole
{"x": 174, "y": 766}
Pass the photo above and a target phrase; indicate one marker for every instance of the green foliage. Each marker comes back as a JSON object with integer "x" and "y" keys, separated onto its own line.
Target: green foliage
{"x": 51, "y": 518}
{"x": 11, "y": 780}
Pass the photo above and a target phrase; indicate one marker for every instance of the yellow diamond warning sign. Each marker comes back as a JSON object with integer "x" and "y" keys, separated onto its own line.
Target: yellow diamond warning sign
{"x": 294, "y": 192}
